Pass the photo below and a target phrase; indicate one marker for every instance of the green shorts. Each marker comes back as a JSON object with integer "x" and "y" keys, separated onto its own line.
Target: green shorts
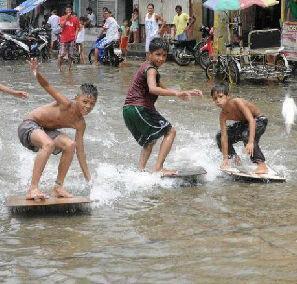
{"x": 146, "y": 125}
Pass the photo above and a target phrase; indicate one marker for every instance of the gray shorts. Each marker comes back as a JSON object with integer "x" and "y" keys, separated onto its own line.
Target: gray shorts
{"x": 24, "y": 132}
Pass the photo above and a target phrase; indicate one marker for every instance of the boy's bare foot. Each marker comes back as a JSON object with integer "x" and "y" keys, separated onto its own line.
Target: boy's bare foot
{"x": 261, "y": 169}
{"x": 167, "y": 172}
{"x": 35, "y": 193}
{"x": 60, "y": 192}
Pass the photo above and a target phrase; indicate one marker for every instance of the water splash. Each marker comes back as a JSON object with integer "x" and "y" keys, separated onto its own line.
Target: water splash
{"x": 289, "y": 111}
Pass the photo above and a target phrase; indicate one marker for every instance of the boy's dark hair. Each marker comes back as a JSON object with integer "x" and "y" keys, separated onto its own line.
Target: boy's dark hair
{"x": 105, "y": 9}
{"x": 220, "y": 89}
{"x": 55, "y": 11}
{"x": 89, "y": 9}
{"x": 158, "y": 43}
{"x": 135, "y": 10}
{"x": 83, "y": 18}
{"x": 151, "y": 4}
{"x": 178, "y": 7}
{"x": 89, "y": 90}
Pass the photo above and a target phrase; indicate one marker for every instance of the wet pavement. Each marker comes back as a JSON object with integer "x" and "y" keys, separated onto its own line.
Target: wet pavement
{"x": 144, "y": 229}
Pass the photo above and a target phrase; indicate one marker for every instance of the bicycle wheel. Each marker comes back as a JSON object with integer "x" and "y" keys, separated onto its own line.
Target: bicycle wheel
{"x": 280, "y": 68}
{"x": 204, "y": 59}
{"x": 233, "y": 72}
{"x": 216, "y": 71}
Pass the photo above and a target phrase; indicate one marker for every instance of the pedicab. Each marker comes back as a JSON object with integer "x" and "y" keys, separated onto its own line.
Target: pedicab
{"x": 262, "y": 59}
{"x": 289, "y": 31}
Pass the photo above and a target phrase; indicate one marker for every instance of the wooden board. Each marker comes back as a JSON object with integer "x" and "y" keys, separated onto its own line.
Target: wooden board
{"x": 247, "y": 174}
{"x": 20, "y": 201}
{"x": 187, "y": 173}
{"x": 190, "y": 176}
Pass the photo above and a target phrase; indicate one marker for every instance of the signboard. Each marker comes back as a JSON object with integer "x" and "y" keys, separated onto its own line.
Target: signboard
{"x": 4, "y": 4}
{"x": 289, "y": 40}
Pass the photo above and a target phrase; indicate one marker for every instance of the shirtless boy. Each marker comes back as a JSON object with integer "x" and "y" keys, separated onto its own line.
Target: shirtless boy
{"x": 38, "y": 132}
{"x": 141, "y": 117}
{"x": 249, "y": 126}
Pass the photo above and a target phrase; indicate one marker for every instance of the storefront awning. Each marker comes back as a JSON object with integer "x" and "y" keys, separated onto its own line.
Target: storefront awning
{"x": 28, "y": 6}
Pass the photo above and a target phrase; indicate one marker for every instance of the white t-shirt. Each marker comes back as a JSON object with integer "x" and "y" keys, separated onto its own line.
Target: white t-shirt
{"x": 92, "y": 19}
{"x": 112, "y": 27}
{"x": 53, "y": 21}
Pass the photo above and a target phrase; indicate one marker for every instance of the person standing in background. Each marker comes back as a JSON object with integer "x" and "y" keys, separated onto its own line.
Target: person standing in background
{"x": 135, "y": 25}
{"x": 70, "y": 27}
{"x": 80, "y": 39}
{"x": 53, "y": 21}
{"x": 151, "y": 25}
{"x": 91, "y": 17}
{"x": 180, "y": 22}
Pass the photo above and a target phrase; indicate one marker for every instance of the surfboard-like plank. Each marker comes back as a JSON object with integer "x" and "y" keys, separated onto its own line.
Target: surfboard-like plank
{"x": 188, "y": 177}
{"x": 20, "y": 201}
{"x": 248, "y": 175}
{"x": 187, "y": 173}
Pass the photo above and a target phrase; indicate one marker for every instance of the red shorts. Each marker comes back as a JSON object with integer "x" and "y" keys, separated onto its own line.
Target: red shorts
{"x": 124, "y": 42}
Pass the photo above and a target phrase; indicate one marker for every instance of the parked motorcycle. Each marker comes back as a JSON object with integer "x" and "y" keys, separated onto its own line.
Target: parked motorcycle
{"x": 206, "y": 51}
{"x": 110, "y": 55}
{"x": 25, "y": 45}
{"x": 184, "y": 52}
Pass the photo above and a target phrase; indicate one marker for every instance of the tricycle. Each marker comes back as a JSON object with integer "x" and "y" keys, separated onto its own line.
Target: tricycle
{"x": 262, "y": 59}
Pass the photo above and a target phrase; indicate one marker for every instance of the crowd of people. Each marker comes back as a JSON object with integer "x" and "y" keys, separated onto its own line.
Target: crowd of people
{"x": 70, "y": 31}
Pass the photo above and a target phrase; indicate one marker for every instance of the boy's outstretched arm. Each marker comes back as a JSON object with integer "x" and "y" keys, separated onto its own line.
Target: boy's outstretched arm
{"x": 80, "y": 150}
{"x": 163, "y": 91}
{"x": 46, "y": 85}
{"x": 13, "y": 92}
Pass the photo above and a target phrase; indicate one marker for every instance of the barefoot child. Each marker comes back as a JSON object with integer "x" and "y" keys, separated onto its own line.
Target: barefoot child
{"x": 39, "y": 133}
{"x": 13, "y": 92}
{"x": 125, "y": 29}
{"x": 249, "y": 126}
{"x": 80, "y": 39}
{"x": 140, "y": 115}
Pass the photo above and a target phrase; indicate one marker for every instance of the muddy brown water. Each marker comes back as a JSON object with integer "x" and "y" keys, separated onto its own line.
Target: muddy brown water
{"x": 143, "y": 229}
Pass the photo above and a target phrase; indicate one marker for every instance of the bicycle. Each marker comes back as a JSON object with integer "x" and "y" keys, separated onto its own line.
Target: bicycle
{"x": 225, "y": 67}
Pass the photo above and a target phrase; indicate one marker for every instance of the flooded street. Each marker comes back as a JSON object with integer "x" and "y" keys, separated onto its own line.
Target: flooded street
{"x": 144, "y": 229}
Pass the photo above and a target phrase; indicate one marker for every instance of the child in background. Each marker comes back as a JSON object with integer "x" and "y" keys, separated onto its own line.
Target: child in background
{"x": 135, "y": 25}
{"x": 125, "y": 29}
{"x": 80, "y": 39}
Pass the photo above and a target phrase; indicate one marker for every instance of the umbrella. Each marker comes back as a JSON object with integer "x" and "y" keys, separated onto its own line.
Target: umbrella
{"x": 228, "y": 5}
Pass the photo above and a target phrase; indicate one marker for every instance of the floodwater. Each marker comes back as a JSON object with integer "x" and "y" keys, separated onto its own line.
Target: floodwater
{"x": 143, "y": 229}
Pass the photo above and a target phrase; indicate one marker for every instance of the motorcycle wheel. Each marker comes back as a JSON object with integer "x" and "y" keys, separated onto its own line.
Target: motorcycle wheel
{"x": 280, "y": 66}
{"x": 114, "y": 61}
{"x": 233, "y": 73}
{"x": 215, "y": 71}
{"x": 45, "y": 55}
{"x": 177, "y": 55}
{"x": 204, "y": 59}
{"x": 9, "y": 54}
{"x": 197, "y": 52}
{"x": 91, "y": 56}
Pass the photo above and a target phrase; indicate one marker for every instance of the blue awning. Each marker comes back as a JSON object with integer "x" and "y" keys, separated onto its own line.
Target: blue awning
{"x": 28, "y": 6}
